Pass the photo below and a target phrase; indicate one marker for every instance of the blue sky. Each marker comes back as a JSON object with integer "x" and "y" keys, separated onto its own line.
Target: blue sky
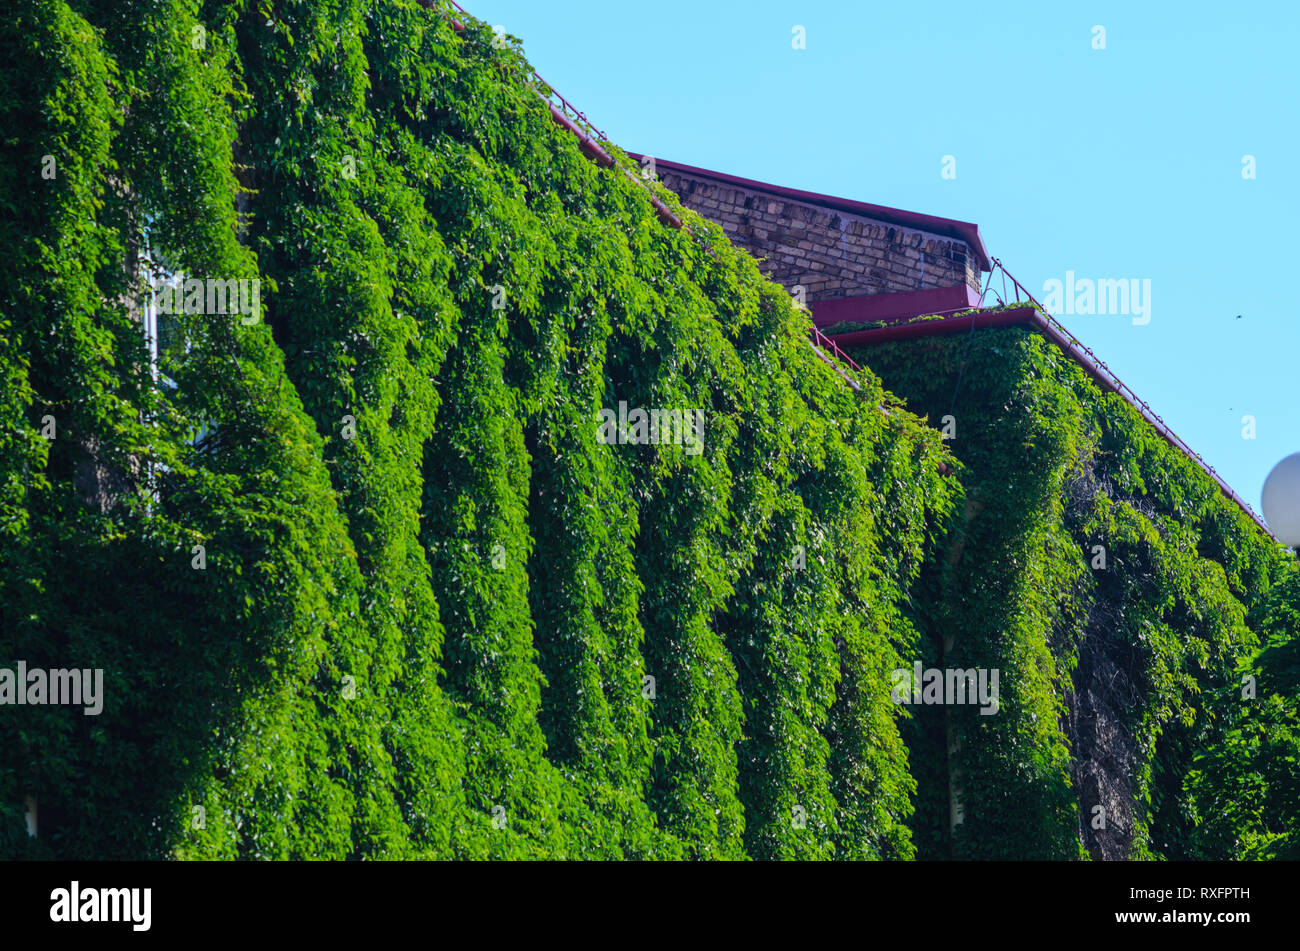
{"x": 1117, "y": 163}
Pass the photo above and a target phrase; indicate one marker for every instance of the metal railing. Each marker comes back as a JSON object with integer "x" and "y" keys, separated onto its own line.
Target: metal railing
{"x": 1125, "y": 392}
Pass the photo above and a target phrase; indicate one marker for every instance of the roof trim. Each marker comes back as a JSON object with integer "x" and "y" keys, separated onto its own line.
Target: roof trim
{"x": 966, "y": 231}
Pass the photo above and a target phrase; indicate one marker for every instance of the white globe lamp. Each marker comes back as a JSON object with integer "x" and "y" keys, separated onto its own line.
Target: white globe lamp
{"x": 1281, "y": 500}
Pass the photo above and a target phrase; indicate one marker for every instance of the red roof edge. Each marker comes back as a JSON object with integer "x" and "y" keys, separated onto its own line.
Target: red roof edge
{"x": 1031, "y": 316}
{"x": 899, "y": 305}
{"x": 966, "y": 231}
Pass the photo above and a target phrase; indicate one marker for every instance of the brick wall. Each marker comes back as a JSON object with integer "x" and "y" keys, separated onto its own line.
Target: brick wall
{"x": 832, "y": 253}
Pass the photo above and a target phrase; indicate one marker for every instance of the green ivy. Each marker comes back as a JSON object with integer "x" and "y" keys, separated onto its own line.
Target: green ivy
{"x": 364, "y": 582}
{"x": 1056, "y": 472}
{"x": 436, "y": 617}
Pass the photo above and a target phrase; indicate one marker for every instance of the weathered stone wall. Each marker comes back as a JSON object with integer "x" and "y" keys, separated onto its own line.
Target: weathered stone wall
{"x": 832, "y": 253}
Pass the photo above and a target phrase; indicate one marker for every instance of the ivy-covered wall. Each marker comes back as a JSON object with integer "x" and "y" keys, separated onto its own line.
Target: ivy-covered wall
{"x": 363, "y": 582}
{"x": 1124, "y": 599}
